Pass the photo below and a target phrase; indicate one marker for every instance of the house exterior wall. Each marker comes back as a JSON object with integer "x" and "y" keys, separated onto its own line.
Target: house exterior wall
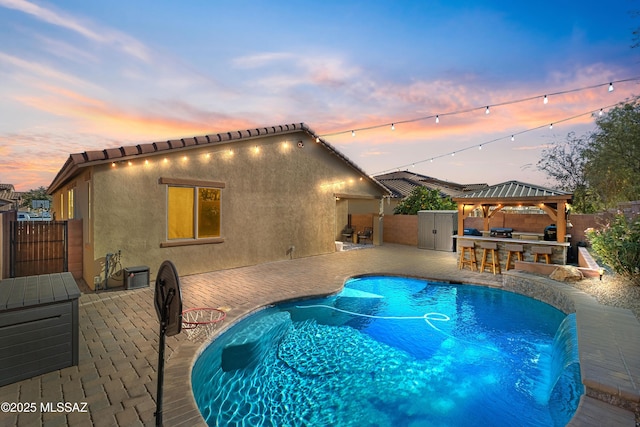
{"x": 278, "y": 202}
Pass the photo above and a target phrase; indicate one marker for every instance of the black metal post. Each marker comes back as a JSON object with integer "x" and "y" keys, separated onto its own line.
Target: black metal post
{"x": 163, "y": 329}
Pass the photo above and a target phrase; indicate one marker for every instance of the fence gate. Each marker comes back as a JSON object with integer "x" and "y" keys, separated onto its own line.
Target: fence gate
{"x": 38, "y": 247}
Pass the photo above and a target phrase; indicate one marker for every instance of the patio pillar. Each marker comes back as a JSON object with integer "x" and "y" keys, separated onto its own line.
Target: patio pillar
{"x": 561, "y": 221}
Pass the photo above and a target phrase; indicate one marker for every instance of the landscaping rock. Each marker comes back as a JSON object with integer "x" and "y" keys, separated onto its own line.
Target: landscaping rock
{"x": 567, "y": 273}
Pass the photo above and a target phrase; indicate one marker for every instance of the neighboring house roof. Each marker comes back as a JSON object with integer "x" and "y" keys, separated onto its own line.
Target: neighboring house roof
{"x": 8, "y": 195}
{"x": 402, "y": 183}
{"x": 89, "y": 158}
{"x": 515, "y": 190}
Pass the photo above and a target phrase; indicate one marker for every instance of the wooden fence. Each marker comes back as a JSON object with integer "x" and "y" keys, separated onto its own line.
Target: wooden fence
{"x": 38, "y": 247}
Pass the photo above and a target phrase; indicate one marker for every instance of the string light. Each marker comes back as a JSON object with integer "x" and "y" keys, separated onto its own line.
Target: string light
{"x": 551, "y": 126}
{"x": 393, "y": 127}
{"x": 601, "y": 112}
{"x": 452, "y": 154}
{"x": 546, "y": 100}
{"x": 486, "y": 108}
{"x": 480, "y": 147}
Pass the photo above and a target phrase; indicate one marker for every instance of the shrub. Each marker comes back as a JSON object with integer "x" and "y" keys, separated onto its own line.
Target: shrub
{"x": 422, "y": 198}
{"x": 618, "y": 245}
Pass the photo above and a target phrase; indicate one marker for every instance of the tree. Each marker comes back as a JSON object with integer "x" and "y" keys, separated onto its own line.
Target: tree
{"x": 612, "y": 157}
{"x": 565, "y": 163}
{"x": 39, "y": 193}
{"x": 422, "y": 198}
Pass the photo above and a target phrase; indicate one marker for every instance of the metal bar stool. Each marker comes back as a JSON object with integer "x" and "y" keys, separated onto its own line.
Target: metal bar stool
{"x": 492, "y": 248}
{"x": 513, "y": 249}
{"x": 466, "y": 246}
{"x": 542, "y": 250}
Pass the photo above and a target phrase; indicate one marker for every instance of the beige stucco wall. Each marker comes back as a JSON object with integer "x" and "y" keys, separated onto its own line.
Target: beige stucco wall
{"x": 275, "y": 198}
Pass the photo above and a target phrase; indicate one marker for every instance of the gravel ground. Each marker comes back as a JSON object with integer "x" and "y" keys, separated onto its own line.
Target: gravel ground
{"x": 614, "y": 291}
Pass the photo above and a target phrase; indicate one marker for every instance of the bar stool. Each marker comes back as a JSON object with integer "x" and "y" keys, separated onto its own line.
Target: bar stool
{"x": 542, "y": 250}
{"x": 466, "y": 246}
{"x": 490, "y": 247}
{"x": 513, "y": 249}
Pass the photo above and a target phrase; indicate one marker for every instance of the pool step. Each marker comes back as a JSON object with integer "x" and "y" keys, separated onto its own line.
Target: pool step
{"x": 247, "y": 346}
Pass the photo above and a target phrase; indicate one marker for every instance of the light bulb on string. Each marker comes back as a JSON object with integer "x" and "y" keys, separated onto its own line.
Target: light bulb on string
{"x": 480, "y": 147}
{"x": 546, "y": 100}
{"x": 601, "y": 112}
{"x": 437, "y": 119}
{"x": 551, "y": 126}
{"x": 486, "y": 111}
{"x": 393, "y": 126}
{"x": 610, "y": 87}
{"x": 513, "y": 138}
{"x": 353, "y": 133}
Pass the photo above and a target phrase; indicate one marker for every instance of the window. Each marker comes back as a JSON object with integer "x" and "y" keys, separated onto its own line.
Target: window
{"x": 193, "y": 212}
{"x": 70, "y": 204}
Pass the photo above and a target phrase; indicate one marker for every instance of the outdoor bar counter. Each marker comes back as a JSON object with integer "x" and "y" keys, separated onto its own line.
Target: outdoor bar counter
{"x": 558, "y": 255}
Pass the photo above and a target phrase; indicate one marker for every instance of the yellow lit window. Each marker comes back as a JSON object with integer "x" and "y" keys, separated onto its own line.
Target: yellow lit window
{"x": 193, "y": 212}
{"x": 208, "y": 212}
{"x": 70, "y": 205}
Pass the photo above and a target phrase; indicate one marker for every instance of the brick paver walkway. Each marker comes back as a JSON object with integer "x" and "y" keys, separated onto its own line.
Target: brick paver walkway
{"x": 116, "y": 377}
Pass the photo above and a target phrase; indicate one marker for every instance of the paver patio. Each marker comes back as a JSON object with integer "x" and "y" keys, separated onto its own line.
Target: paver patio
{"x": 116, "y": 376}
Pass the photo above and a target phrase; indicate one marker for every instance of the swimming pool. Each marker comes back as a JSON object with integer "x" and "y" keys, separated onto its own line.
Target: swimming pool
{"x": 391, "y": 351}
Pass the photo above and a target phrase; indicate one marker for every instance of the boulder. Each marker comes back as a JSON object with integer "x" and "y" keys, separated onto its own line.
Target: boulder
{"x": 566, "y": 273}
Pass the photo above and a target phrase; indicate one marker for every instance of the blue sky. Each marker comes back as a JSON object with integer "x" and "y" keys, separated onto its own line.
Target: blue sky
{"x": 81, "y": 75}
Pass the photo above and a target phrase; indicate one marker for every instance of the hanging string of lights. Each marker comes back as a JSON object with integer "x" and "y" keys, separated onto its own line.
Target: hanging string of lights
{"x": 486, "y": 108}
{"x": 512, "y": 137}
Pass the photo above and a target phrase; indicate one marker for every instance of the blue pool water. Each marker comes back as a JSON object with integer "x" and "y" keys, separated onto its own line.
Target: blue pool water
{"x": 390, "y": 351}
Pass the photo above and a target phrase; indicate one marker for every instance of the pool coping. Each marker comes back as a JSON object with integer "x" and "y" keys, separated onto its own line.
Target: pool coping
{"x": 609, "y": 359}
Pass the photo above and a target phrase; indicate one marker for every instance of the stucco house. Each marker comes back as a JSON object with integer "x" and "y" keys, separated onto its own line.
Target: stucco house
{"x": 214, "y": 201}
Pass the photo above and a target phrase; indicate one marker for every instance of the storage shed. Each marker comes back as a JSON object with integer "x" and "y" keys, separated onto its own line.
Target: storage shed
{"x": 38, "y": 325}
{"x": 436, "y": 230}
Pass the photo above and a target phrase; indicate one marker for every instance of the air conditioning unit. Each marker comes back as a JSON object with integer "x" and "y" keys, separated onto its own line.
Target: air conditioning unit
{"x": 136, "y": 277}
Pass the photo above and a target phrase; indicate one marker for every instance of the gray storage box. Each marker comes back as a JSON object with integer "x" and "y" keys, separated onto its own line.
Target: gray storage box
{"x": 136, "y": 277}
{"x": 38, "y": 325}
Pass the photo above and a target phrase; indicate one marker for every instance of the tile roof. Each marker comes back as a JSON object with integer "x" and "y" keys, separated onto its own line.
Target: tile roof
{"x": 8, "y": 194}
{"x": 108, "y": 155}
{"x": 514, "y": 190}
{"x": 401, "y": 183}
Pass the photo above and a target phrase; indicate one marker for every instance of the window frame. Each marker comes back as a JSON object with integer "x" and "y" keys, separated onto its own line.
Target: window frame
{"x": 195, "y": 185}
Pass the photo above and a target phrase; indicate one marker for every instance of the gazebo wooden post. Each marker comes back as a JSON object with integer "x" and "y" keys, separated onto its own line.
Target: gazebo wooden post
{"x": 460, "y": 219}
{"x": 561, "y": 221}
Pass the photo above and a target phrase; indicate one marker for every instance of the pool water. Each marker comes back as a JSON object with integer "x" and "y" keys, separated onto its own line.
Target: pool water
{"x": 390, "y": 351}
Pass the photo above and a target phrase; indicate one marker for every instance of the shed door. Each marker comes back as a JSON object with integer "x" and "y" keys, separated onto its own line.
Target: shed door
{"x": 444, "y": 230}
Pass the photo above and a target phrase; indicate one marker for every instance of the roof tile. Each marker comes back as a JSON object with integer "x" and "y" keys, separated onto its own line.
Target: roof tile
{"x": 113, "y": 153}
{"x": 131, "y": 150}
{"x": 162, "y": 145}
{"x": 79, "y": 158}
{"x": 146, "y": 148}
{"x": 95, "y": 155}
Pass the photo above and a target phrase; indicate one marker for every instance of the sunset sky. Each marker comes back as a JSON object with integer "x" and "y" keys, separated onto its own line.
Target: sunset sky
{"x": 81, "y": 75}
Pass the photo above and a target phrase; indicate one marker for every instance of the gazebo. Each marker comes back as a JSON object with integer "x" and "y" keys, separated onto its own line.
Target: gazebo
{"x": 491, "y": 200}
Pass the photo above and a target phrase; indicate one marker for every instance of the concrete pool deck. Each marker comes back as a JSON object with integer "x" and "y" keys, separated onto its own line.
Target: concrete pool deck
{"x": 116, "y": 376}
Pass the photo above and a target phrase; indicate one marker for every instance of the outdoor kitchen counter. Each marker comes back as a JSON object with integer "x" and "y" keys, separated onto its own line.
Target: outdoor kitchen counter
{"x": 558, "y": 256}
